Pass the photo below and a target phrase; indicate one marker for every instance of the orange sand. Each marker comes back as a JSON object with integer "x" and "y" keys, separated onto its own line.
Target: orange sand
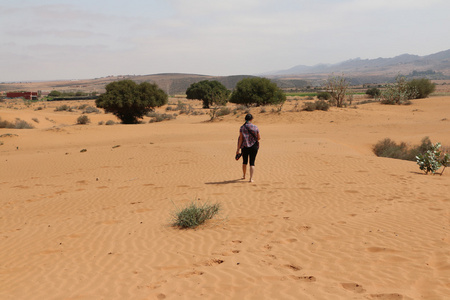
{"x": 324, "y": 219}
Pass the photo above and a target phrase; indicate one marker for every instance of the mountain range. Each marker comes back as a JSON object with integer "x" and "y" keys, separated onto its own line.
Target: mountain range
{"x": 357, "y": 71}
{"x": 438, "y": 63}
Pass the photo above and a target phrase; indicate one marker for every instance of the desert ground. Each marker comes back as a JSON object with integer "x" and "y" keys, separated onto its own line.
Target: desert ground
{"x": 86, "y": 210}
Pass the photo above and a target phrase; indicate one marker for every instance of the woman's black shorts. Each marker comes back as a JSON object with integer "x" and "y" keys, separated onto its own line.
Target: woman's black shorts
{"x": 249, "y": 152}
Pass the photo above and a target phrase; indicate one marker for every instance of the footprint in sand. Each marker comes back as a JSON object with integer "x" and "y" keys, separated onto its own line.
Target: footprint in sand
{"x": 213, "y": 262}
{"x": 387, "y": 296}
{"x": 353, "y": 287}
{"x": 293, "y": 267}
{"x": 380, "y": 249}
{"x": 304, "y": 278}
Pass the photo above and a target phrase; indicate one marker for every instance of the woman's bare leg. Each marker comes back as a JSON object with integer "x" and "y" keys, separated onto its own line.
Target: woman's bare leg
{"x": 244, "y": 170}
{"x": 252, "y": 170}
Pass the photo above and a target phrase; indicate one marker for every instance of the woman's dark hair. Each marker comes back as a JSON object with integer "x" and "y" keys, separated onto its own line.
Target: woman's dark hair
{"x": 248, "y": 117}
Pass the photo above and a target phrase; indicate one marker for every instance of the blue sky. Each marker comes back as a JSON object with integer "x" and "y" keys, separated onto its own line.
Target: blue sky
{"x": 66, "y": 39}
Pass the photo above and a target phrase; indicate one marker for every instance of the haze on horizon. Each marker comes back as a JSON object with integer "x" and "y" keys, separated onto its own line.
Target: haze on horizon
{"x": 63, "y": 39}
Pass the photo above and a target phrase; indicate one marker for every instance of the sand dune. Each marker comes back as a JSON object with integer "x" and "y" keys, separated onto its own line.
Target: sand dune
{"x": 324, "y": 219}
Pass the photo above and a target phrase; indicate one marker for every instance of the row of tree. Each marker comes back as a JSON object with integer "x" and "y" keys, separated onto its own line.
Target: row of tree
{"x": 130, "y": 101}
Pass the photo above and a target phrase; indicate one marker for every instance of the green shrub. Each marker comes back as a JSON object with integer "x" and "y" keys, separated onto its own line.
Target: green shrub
{"x": 83, "y": 119}
{"x": 18, "y": 124}
{"x": 317, "y": 105}
{"x": 424, "y": 87}
{"x": 433, "y": 159}
{"x": 64, "y": 107}
{"x": 388, "y": 148}
{"x": 398, "y": 93}
{"x": 323, "y": 96}
{"x": 91, "y": 109}
{"x": 223, "y": 111}
{"x": 194, "y": 215}
{"x": 309, "y": 106}
{"x": 110, "y": 122}
{"x": 322, "y": 105}
{"x": 157, "y": 117}
{"x": 373, "y": 92}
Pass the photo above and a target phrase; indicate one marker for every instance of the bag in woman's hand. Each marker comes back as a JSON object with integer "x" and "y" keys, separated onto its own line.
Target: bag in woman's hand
{"x": 238, "y": 156}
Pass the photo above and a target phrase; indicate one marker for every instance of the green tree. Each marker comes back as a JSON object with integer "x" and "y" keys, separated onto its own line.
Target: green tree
{"x": 373, "y": 92}
{"x": 423, "y": 86}
{"x": 210, "y": 92}
{"x": 257, "y": 91}
{"x": 130, "y": 101}
{"x": 55, "y": 93}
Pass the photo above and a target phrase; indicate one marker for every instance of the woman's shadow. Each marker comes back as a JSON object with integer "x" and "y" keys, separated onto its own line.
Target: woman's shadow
{"x": 226, "y": 181}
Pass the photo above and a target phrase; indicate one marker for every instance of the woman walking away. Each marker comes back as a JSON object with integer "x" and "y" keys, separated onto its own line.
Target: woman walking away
{"x": 249, "y": 143}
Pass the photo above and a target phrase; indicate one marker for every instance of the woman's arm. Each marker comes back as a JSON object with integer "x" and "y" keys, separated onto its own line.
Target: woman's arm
{"x": 239, "y": 144}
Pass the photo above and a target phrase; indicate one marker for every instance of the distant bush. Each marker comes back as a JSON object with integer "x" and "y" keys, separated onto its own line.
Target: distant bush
{"x": 317, "y": 105}
{"x": 35, "y": 120}
{"x": 91, "y": 109}
{"x": 398, "y": 93}
{"x": 83, "y": 119}
{"x": 323, "y": 96}
{"x": 64, "y": 107}
{"x": 223, "y": 111}
{"x": 194, "y": 215}
{"x": 100, "y": 122}
{"x": 110, "y": 122}
{"x": 373, "y": 92}
{"x": 423, "y": 87}
{"x": 18, "y": 124}
{"x": 388, "y": 148}
{"x": 157, "y": 117}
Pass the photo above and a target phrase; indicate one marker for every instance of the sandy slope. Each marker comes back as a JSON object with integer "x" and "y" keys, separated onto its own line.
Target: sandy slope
{"x": 325, "y": 219}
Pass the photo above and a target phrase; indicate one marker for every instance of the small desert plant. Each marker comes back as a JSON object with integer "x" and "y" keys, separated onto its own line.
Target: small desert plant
{"x": 373, "y": 92}
{"x": 35, "y": 120}
{"x": 424, "y": 87}
{"x": 194, "y": 215}
{"x": 91, "y": 109}
{"x": 157, "y": 117}
{"x": 309, "y": 106}
{"x": 18, "y": 124}
{"x": 389, "y": 148}
{"x": 317, "y": 105}
{"x": 217, "y": 111}
{"x": 433, "y": 160}
{"x": 64, "y": 107}
{"x": 323, "y": 96}
{"x": 83, "y": 119}
{"x": 110, "y": 122}
{"x": 399, "y": 93}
